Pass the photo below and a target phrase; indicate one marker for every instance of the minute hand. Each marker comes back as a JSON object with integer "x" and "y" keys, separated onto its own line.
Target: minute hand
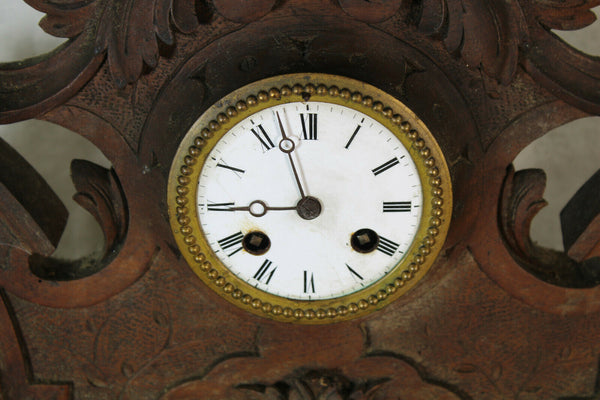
{"x": 287, "y": 146}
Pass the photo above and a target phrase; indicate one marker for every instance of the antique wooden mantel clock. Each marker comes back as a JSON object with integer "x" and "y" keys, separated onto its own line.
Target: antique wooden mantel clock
{"x": 309, "y": 199}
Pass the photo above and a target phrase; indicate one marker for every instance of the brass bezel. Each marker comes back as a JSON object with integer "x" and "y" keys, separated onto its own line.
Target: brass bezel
{"x": 216, "y": 122}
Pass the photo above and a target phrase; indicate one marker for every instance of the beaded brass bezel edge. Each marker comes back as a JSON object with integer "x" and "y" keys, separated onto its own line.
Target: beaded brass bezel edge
{"x": 216, "y": 122}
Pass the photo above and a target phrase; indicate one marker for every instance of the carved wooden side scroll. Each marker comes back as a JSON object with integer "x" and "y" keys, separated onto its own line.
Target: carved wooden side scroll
{"x": 498, "y": 317}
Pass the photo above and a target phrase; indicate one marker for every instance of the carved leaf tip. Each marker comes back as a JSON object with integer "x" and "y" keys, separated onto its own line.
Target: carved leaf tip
{"x": 521, "y": 200}
{"x": 130, "y": 32}
{"x": 65, "y": 19}
{"x": 484, "y": 34}
{"x": 567, "y": 15}
{"x": 99, "y": 192}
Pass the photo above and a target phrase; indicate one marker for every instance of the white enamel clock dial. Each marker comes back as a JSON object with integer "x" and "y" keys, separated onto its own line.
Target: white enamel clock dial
{"x": 359, "y": 176}
{"x": 309, "y": 198}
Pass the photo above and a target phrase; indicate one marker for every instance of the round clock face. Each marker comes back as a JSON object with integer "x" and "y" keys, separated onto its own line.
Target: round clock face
{"x": 309, "y": 198}
{"x": 355, "y": 172}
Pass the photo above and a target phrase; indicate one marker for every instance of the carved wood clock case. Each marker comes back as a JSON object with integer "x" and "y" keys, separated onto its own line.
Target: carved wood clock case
{"x": 308, "y": 200}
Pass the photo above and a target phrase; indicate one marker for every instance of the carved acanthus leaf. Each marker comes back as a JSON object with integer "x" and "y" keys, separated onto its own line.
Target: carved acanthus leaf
{"x": 496, "y": 36}
{"x": 355, "y": 381}
{"x": 100, "y": 193}
{"x": 566, "y": 15}
{"x": 565, "y": 71}
{"x": 485, "y": 34}
{"x": 520, "y": 202}
{"x": 128, "y": 30}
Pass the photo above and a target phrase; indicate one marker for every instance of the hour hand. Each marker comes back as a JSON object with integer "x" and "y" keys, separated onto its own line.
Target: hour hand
{"x": 256, "y": 208}
{"x": 307, "y": 208}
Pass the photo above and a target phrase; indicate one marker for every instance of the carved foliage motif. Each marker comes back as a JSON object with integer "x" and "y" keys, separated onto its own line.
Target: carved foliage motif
{"x": 512, "y": 29}
{"x": 128, "y": 30}
{"x": 566, "y": 72}
{"x": 30, "y": 232}
{"x": 521, "y": 201}
{"x": 482, "y": 33}
{"x": 329, "y": 385}
{"x": 490, "y": 35}
{"x": 356, "y": 381}
{"x": 100, "y": 193}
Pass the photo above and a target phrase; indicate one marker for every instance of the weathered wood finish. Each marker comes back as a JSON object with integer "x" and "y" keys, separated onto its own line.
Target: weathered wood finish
{"x": 497, "y": 317}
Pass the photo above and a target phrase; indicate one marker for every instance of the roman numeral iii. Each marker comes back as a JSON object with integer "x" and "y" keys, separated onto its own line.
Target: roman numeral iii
{"x": 397, "y": 206}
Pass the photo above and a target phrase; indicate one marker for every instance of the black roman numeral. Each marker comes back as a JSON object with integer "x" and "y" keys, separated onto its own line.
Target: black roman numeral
{"x": 386, "y": 246}
{"x": 311, "y": 122}
{"x": 262, "y": 136}
{"x": 309, "y": 282}
{"x": 397, "y": 206}
{"x": 353, "y": 136}
{"x": 232, "y": 242}
{"x": 385, "y": 166}
{"x": 229, "y": 167}
{"x": 353, "y": 272}
{"x": 220, "y": 206}
{"x": 265, "y": 271}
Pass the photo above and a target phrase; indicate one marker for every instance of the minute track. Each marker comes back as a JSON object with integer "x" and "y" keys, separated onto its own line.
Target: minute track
{"x": 301, "y": 178}
{"x": 361, "y": 166}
